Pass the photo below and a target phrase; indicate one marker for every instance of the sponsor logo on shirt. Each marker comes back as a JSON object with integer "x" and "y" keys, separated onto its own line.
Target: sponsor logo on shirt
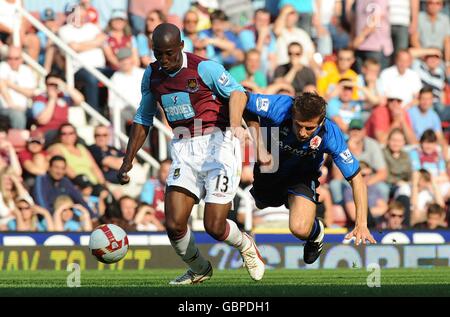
{"x": 224, "y": 79}
{"x": 346, "y": 156}
{"x": 262, "y": 104}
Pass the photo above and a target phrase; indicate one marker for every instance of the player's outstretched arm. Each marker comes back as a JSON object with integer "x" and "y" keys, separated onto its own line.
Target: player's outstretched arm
{"x": 361, "y": 233}
{"x": 137, "y": 138}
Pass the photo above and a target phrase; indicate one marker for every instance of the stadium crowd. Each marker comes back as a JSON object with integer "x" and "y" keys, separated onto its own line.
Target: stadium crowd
{"x": 383, "y": 67}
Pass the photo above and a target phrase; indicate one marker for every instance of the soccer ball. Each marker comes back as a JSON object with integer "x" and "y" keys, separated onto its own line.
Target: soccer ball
{"x": 108, "y": 243}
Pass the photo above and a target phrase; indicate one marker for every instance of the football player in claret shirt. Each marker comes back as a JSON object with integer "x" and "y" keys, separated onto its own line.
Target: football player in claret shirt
{"x": 200, "y": 100}
{"x": 301, "y": 134}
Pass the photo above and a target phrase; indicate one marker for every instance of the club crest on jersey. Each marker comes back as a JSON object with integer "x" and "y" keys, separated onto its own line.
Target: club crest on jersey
{"x": 262, "y": 104}
{"x": 315, "y": 142}
{"x": 192, "y": 85}
{"x": 176, "y": 173}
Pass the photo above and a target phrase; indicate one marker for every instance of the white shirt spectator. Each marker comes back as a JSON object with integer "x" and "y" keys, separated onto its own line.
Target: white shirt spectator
{"x": 8, "y": 15}
{"x": 406, "y": 85}
{"x": 297, "y": 35}
{"x": 399, "y": 12}
{"x": 87, "y": 32}
{"x": 133, "y": 92}
{"x": 24, "y": 77}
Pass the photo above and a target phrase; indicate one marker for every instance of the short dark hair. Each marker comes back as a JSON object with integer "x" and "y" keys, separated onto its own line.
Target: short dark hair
{"x": 296, "y": 44}
{"x": 57, "y": 158}
{"x": 425, "y": 175}
{"x": 53, "y": 74}
{"x": 434, "y": 208}
{"x": 309, "y": 106}
{"x": 218, "y": 15}
{"x": 428, "y": 136}
{"x": 426, "y": 89}
{"x": 5, "y": 123}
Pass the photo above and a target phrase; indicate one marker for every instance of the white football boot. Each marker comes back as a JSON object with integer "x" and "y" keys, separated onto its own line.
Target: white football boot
{"x": 253, "y": 260}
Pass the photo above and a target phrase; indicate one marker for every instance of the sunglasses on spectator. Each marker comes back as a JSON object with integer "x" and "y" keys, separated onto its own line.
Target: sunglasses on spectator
{"x": 348, "y": 88}
{"x": 35, "y": 142}
{"x": 190, "y": 21}
{"x": 101, "y": 135}
{"x": 294, "y": 54}
{"x": 346, "y": 59}
{"x": 68, "y": 133}
{"x": 396, "y": 216}
{"x": 23, "y": 207}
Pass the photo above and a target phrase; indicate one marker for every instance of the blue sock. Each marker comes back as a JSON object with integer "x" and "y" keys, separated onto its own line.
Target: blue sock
{"x": 315, "y": 230}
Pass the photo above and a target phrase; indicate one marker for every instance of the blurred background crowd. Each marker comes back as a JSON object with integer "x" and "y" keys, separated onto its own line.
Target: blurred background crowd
{"x": 383, "y": 67}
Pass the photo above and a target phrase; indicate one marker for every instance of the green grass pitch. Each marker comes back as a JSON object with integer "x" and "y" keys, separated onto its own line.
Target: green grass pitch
{"x": 286, "y": 283}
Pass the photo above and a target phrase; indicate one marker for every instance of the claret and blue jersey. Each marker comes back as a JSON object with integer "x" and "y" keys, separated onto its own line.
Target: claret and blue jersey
{"x": 300, "y": 160}
{"x": 200, "y": 90}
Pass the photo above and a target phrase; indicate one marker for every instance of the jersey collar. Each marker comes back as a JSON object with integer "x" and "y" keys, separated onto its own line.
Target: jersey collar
{"x": 183, "y": 65}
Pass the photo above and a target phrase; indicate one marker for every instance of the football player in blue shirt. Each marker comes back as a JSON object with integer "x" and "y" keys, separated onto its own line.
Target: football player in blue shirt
{"x": 300, "y": 135}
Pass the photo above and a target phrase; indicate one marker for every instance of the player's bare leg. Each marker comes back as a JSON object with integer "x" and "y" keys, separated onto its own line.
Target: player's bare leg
{"x": 178, "y": 207}
{"x": 305, "y": 226}
{"x": 223, "y": 229}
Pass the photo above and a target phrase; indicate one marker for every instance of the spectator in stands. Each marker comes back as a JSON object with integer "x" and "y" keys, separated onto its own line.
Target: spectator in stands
{"x": 95, "y": 203}
{"x": 368, "y": 83}
{"x": 386, "y": 118}
{"x": 365, "y": 149}
{"x": 287, "y": 32}
{"x": 433, "y": 29}
{"x": 154, "y": 189}
{"x": 30, "y": 217}
{"x": 304, "y": 9}
{"x": 79, "y": 159}
{"x": 204, "y": 8}
{"x": 91, "y": 11}
{"x": 128, "y": 209}
{"x": 294, "y": 73}
{"x": 397, "y": 160}
{"x": 119, "y": 36}
{"x": 435, "y": 219}
{"x": 66, "y": 214}
{"x": 17, "y": 86}
{"x": 106, "y": 156}
{"x": 321, "y": 21}
{"x": 9, "y": 18}
{"x": 130, "y": 76}
{"x": 376, "y": 201}
{"x": 227, "y": 46}
{"x": 55, "y": 183}
{"x": 140, "y": 9}
{"x": 51, "y": 108}
{"x": 403, "y": 17}
{"x": 144, "y": 39}
{"x": 342, "y": 109}
{"x": 259, "y": 36}
{"x": 400, "y": 79}
{"x": 146, "y": 220}
{"x": 333, "y": 72}
{"x": 248, "y": 73}
{"x": 394, "y": 217}
{"x": 11, "y": 188}
{"x": 8, "y": 156}
{"x": 189, "y": 33}
{"x": 46, "y": 46}
{"x": 372, "y": 30}
{"x": 87, "y": 40}
{"x": 423, "y": 117}
{"x": 431, "y": 70}
{"x": 430, "y": 158}
{"x": 33, "y": 159}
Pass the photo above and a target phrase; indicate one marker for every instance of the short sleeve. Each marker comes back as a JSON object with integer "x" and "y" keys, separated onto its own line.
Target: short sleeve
{"x": 218, "y": 79}
{"x": 276, "y": 108}
{"x": 37, "y": 108}
{"x": 147, "y": 107}
{"x": 336, "y": 146}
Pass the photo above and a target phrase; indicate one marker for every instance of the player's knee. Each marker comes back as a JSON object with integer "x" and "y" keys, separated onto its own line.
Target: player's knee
{"x": 175, "y": 231}
{"x": 300, "y": 230}
{"x": 216, "y": 229}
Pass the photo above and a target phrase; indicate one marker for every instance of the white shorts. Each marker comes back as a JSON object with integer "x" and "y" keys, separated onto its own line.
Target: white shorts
{"x": 209, "y": 166}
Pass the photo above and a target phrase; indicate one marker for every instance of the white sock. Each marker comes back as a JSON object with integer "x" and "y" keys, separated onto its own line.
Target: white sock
{"x": 189, "y": 253}
{"x": 236, "y": 238}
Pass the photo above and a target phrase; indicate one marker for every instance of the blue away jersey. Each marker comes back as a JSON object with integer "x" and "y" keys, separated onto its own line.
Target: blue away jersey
{"x": 299, "y": 159}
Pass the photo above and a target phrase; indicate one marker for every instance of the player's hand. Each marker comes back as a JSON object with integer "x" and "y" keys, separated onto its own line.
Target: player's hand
{"x": 360, "y": 233}
{"x": 240, "y": 133}
{"x": 122, "y": 174}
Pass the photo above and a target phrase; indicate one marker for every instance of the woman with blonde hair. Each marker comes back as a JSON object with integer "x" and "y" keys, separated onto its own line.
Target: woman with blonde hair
{"x": 10, "y": 189}
{"x": 65, "y": 215}
{"x": 27, "y": 217}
